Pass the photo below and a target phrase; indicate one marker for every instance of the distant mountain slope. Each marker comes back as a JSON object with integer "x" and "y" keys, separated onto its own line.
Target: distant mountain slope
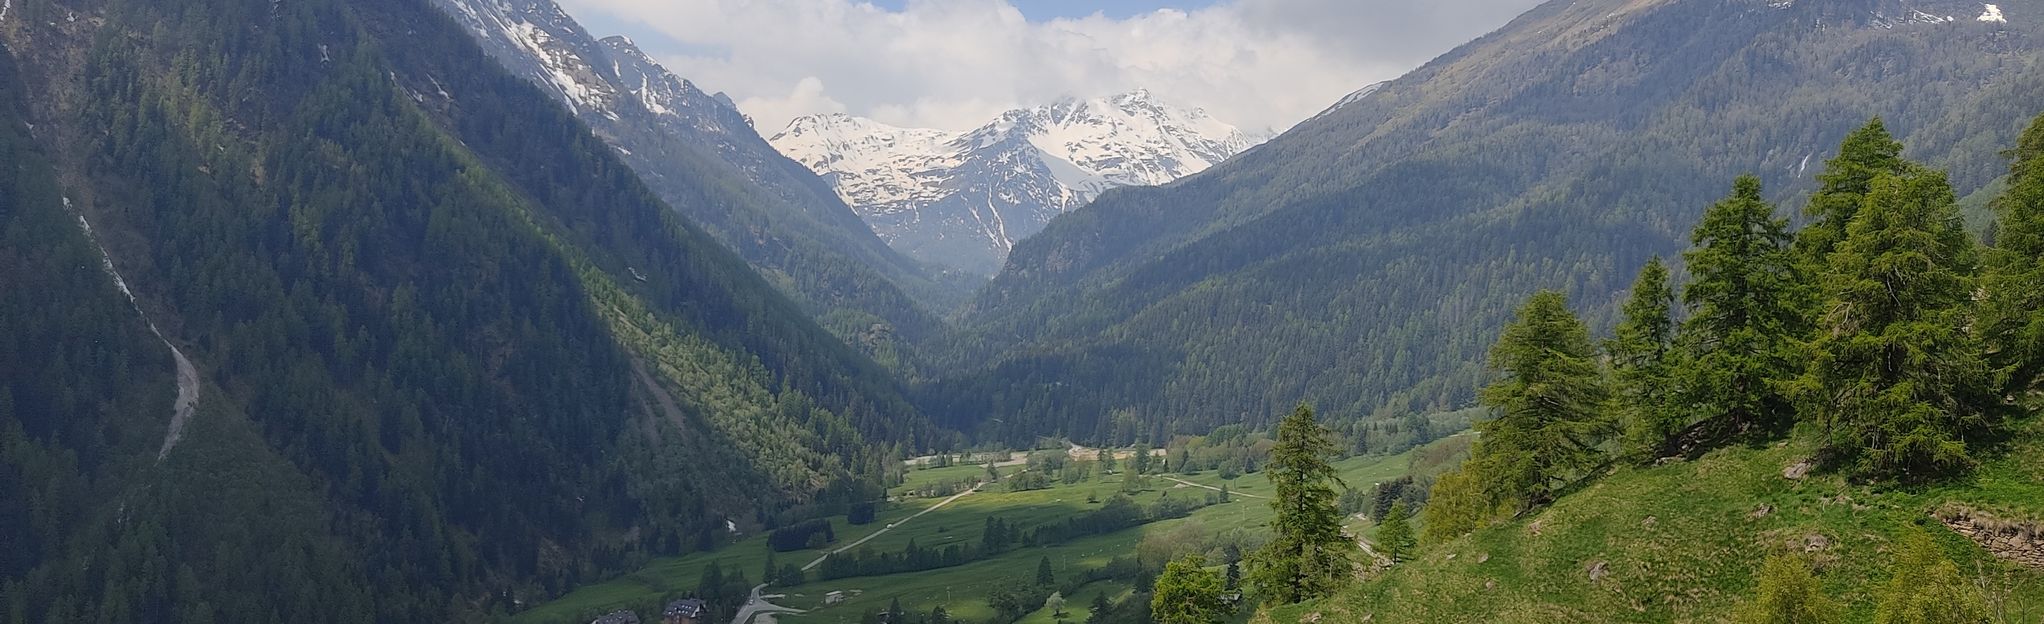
{"x": 963, "y": 199}
{"x": 1365, "y": 258}
{"x": 702, "y": 156}
{"x": 452, "y": 357}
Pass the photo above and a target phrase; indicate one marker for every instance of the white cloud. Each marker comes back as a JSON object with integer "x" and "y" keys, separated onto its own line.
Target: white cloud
{"x": 954, "y": 64}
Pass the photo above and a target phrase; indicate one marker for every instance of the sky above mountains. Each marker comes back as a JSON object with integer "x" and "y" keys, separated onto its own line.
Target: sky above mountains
{"x": 953, "y": 64}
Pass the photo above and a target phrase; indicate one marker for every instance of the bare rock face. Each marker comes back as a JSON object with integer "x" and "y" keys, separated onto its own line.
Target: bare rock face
{"x": 1599, "y": 570}
{"x": 2018, "y": 541}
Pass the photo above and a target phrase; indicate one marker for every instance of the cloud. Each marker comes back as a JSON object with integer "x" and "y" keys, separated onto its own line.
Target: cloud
{"x": 954, "y": 64}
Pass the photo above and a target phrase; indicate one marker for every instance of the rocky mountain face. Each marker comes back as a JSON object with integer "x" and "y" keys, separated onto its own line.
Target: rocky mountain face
{"x": 962, "y": 199}
{"x": 774, "y": 212}
{"x": 1377, "y": 247}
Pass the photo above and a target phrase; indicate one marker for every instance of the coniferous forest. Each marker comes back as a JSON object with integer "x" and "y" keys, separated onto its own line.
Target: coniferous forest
{"x": 322, "y": 311}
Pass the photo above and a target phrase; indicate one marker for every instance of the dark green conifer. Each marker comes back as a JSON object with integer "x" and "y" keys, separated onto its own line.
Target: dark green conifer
{"x": 1895, "y": 379}
{"x": 1746, "y": 298}
{"x": 1642, "y": 363}
{"x": 2012, "y": 318}
{"x": 1548, "y": 406}
{"x": 1308, "y": 556}
{"x": 1867, "y": 153}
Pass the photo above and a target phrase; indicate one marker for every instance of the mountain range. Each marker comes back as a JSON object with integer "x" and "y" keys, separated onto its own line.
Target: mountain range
{"x": 1365, "y": 258}
{"x": 962, "y": 199}
{"x": 702, "y": 156}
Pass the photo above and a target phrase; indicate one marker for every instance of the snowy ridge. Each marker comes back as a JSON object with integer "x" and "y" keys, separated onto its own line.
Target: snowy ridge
{"x": 963, "y": 199}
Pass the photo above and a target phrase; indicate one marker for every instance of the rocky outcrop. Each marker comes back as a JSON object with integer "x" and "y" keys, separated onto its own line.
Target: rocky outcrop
{"x": 2014, "y": 540}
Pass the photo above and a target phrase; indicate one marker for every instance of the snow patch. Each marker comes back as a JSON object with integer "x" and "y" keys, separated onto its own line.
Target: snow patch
{"x": 4, "y": 6}
{"x": 1993, "y": 14}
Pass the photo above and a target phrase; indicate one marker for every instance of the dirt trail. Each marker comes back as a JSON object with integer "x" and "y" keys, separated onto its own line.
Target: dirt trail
{"x": 1202, "y": 485}
{"x": 187, "y": 374}
{"x": 890, "y": 527}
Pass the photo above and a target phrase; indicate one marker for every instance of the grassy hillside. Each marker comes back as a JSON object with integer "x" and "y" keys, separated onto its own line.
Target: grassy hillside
{"x": 1683, "y": 543}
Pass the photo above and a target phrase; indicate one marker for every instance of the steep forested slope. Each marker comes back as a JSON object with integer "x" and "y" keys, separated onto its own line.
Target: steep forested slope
{"x": 701, "y": 155}
{"x": 1364, "y": 259}
{"x": 449, "y": 354}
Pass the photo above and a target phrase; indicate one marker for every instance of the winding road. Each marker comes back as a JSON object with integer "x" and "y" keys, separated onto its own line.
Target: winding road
{"x": 757, "y": 605}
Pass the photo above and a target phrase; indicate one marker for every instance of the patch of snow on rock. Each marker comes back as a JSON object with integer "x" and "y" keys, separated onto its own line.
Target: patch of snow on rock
{"x": 1993, "y": 14}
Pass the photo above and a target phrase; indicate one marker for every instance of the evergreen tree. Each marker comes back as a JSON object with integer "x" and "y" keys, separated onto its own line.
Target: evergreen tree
{"x": 1394, "y": 534}
{"x": 1789, "y": 594}
{"x": 1746, "y": 299}
{"x": 1867, "y": 153}
{"x": 770, "y": 571}
{"x": 1141, "y": 463}
{"x": 1927, "y": 588}
{"x": 1641, "y": 365}
{"x": 1106, "y": 461}
{"x": 1308, "y": 556}
{"x": 894, "y": 610}
{"x": 1187, "y": 593}
{"x": 1895, "y": 378}
{"x": 1097, "y": 613}
{"x": 1043, "y": 574}
{"x": 1548, "y": 405}
{"x": 2012, "y": 316}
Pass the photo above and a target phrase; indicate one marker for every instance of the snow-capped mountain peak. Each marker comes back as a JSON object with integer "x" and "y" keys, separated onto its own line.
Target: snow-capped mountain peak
{"x": 964, "y": 198}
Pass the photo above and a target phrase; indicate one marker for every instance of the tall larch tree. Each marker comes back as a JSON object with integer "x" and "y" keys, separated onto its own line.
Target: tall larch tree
{"x": 1896, "y": 380}
{"x": 1548, "y": 404}
{"x": 2012, "y": 318}
{"x": 1746, "y": 299}
{"x": 1866, "y": 154}
{"x": 1308, "y": 556}
{"x": 1641, "y": 351}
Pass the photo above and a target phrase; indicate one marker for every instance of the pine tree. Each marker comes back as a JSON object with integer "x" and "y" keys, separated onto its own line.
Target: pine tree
{"x": 1789, "y": 594}
{"x": 1394, "y": 534}
{"x": 1746, "y": 299}
{"x": 2012, "y": 317}
{"x": 1927, "y": 588}
{"x": 1308, "y": 556}
{"x": 1548, "y": 405}
{"x": 1867, "y": 153}
{"x": 1641, "y": 365}
{"x": 1043, "y": 574}
{"x": 1895, "y": 378}
{"x": 1187, "y": 593}
{"x": 1097, "y": 613}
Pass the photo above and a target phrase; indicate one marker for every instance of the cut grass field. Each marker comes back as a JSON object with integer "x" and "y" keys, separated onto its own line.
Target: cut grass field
{"x": 962, "y": 590}
{"x": 1684, "y": 542}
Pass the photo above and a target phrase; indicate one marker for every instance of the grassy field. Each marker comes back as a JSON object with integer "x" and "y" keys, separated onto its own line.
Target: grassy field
{"x": 962, "y": 590}
{"x": 1683, "y": 542}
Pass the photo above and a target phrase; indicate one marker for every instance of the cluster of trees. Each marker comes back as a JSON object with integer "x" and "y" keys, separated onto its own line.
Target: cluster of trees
{"x": 1881, "y": 327}
{"x": 812, "y": 533}
{"x": 912, "y": 558}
